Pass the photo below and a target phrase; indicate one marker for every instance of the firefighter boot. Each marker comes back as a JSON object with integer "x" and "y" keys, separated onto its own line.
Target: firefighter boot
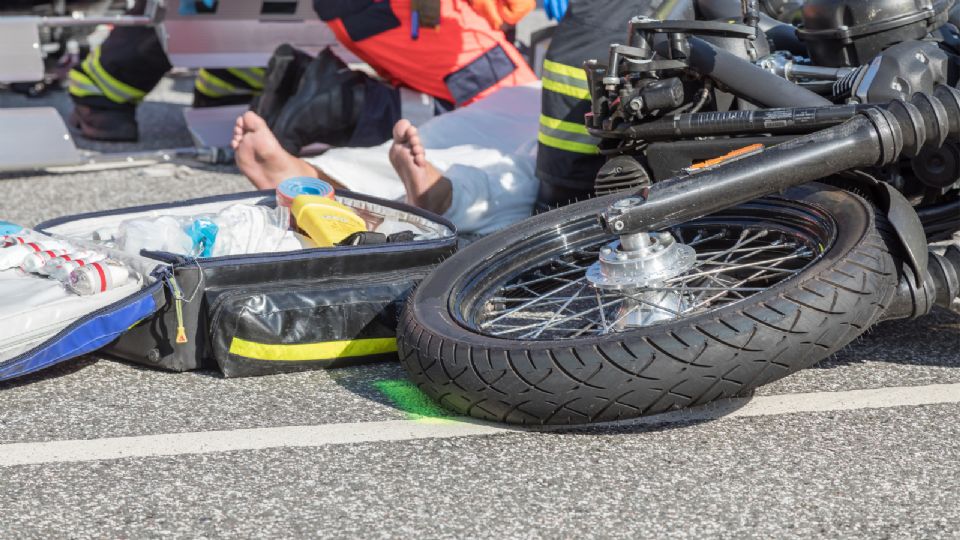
{"x": 105, "y": 124}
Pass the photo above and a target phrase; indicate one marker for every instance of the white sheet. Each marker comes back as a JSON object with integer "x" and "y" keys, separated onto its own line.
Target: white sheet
{"x": 487, "y": 150}
{"x": 32, "y": 309}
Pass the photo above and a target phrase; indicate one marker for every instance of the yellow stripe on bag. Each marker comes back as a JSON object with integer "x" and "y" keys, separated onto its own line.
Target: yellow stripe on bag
{"x": 327, "y": 350}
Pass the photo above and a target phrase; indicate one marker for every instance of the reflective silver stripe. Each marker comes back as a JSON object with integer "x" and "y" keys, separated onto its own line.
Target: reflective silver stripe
{"x": 81, "y": 86}
{"x": 84, "y": 89}
{"x": 563, "y": 79}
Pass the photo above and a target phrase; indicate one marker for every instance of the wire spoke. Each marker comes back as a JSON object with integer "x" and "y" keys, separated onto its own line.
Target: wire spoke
{"x": 568, "y": 318}
{"x": 531, "y": 302}
{"x": 554, "y": 300}
{"x": 559, "y": 311}
{"x": 542, "y": 279}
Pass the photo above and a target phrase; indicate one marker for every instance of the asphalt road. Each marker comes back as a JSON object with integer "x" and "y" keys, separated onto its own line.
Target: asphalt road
{"x": 876, "y": 457}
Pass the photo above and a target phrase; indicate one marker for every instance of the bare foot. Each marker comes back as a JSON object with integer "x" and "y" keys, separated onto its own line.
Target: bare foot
{"x": 261, "y": 158}
{"x": 426, "y": 186}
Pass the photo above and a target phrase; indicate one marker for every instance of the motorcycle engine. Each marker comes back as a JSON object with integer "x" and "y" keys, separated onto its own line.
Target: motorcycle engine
{"x": 842, "y": 33}
{"x": 850, "y": 52}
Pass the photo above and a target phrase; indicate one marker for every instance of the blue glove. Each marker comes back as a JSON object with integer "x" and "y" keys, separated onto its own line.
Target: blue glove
{"x": 555, "y": 9}
{"x": 190, "y": 8}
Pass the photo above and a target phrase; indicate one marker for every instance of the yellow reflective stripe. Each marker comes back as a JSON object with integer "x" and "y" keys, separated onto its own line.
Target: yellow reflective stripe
{"x": 303, "y": 352}
{"x": 209, "y": 78}
{"x": 214, "y": 86}
{"x": 202, "y": 87}
{"x": 249, "y": 76}
{"x": 569, "y": 146}
{"x": 81, "y": 86}
{"x": 567, "y": 136}
{"x": 565, "y": 89}
{"x": 80, "y": 77}
{"x": 565, "y": 70}
{"x": 562, "y": 125}
{"x": 664, "y": 10}
{"x": 114, "y": 89}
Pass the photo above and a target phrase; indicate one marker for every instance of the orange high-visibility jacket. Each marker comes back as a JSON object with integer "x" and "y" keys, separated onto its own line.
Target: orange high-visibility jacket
{"x": 462, "y": 60}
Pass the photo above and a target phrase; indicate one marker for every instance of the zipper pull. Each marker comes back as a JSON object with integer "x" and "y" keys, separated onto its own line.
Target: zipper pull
{"x": 178, "y": 306}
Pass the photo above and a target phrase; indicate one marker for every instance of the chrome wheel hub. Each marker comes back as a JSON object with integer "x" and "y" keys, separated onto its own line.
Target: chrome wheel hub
{"x": 640, "y": 260}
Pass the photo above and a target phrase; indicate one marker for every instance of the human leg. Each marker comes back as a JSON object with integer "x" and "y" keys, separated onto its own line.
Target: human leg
{"x": 261, "y": 158}
{"x": 426, "y": 186}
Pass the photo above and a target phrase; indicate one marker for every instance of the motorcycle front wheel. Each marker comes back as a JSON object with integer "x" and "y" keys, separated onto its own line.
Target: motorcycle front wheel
{"x": 511, "y": 329}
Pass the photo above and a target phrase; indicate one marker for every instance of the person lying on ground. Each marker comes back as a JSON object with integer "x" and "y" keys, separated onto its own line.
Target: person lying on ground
{"x": 475, "y": 165}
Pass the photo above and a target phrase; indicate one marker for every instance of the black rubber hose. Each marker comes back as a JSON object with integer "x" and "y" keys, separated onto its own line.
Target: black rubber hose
{"x": 950, "y": 210}
{"x": 776, "y": 121}
{"x": 747, "y": 80}
{"x": 783, "y": 36}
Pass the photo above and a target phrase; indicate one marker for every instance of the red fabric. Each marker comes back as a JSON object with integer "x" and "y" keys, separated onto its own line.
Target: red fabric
{"x": 421, "y": 64}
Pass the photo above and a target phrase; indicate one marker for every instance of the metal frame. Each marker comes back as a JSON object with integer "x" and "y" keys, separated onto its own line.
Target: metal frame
{"x": 238, "y": 34}
{"x": 21, "y": 58}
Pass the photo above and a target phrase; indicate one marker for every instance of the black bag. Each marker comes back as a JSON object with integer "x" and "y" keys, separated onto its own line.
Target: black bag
{"x": 253, "y": 314}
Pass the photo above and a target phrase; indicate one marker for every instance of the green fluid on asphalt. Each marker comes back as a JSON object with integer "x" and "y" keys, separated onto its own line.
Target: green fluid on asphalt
{"x": 407, "y": 397}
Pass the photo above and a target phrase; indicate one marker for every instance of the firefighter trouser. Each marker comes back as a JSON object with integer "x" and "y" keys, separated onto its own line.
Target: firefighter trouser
{"x": 567, "y": 156}
{"x": 130, "y": 63}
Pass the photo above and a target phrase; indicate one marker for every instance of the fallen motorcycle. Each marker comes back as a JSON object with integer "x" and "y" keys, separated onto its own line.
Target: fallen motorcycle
{"x": 840, "y": 163}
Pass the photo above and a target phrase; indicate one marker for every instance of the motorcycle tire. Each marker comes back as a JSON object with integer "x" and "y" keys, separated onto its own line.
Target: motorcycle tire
{"x": 800, "y": 311}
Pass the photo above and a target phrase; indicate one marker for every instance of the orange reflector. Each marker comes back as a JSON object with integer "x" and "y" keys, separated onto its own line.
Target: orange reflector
{"x": 740, "y": 152}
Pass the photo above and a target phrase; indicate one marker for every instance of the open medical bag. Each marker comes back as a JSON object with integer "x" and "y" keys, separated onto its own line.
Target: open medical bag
{"x": 247, "y": 315}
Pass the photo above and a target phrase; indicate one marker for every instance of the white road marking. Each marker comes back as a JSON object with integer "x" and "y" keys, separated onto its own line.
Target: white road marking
{"x": 176, "y": 444}
{"x": 875, "y": 398}
{"x": 203, "y": 442}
